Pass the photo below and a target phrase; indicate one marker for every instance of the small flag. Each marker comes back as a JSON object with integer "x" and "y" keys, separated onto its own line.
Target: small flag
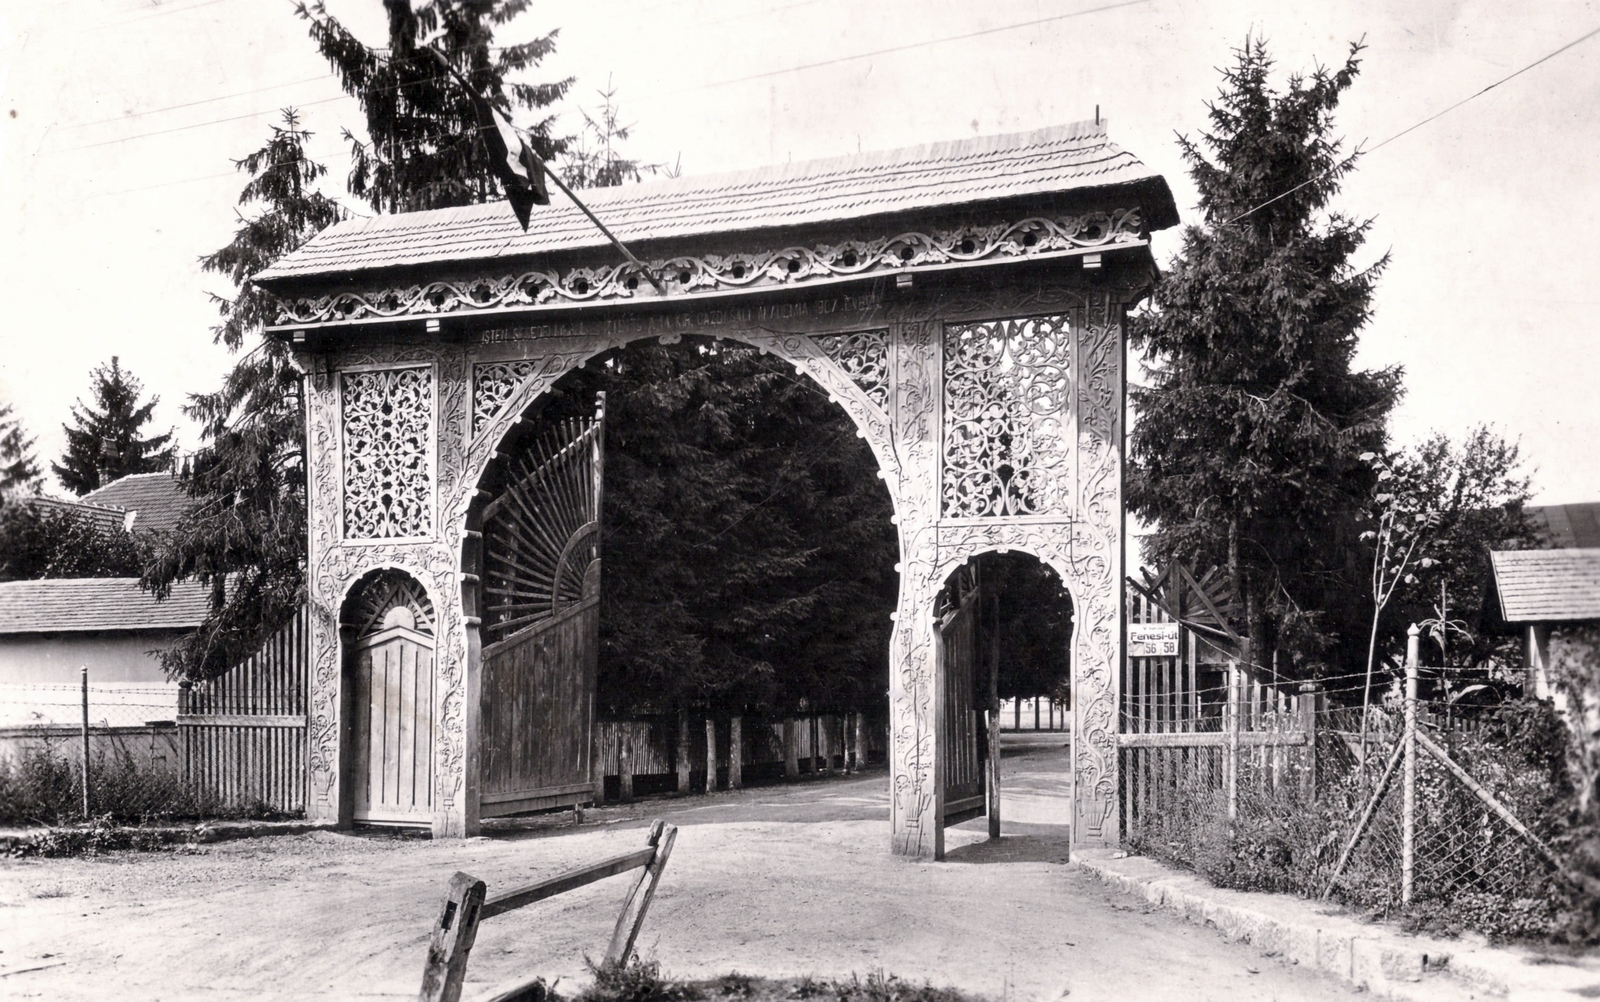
{"x": 520, "y": 172}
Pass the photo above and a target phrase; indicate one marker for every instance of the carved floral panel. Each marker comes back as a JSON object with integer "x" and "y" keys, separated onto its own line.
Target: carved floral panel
{"x": 1008, "y": 446}
{"x": 493, "y": 383}
{"x": 864, "y": 356}
{"x": 387, "y": 428}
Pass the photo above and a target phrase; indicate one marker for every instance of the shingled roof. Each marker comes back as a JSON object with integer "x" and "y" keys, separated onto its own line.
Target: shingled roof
{"x": 1547, "y": 586}
{"x": 157, "y": 500}
{"x": 104, "y": 518}
{"x": 70, "y": 605}
{"x": 1069, "y": 158}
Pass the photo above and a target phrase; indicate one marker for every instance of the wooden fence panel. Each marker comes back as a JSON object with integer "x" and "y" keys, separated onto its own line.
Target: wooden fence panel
{"x": 242, "y": 735}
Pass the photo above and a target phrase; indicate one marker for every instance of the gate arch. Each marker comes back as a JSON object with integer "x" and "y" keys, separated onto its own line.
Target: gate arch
{"x": 854, "y": 271}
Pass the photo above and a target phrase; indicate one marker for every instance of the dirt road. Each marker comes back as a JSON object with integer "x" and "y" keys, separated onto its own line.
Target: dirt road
{"x": 793, "y": 880}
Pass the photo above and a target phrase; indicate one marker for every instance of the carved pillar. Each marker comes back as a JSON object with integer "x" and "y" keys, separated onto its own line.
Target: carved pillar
{"x": 387, "y": 430}
{"x": 913, "y": 716}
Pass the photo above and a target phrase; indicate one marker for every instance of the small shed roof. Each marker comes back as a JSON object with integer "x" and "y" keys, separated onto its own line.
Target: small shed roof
{"x": 157, "y": 500}
{"x": 66, "y": 605}
{"x": 1546, "y": 586}
{"x": 1068, "y": 158}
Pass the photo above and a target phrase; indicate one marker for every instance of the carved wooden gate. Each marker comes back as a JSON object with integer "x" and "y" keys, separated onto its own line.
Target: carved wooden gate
{"x": 392, "y": 705}
{"x": 541, "y": 601}
{"x": 964, "y": 788}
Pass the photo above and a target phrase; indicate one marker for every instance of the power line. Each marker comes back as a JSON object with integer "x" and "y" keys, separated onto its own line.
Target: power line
{"x": 159, "y": 13}
{"x": 1347, "y": 161}
{"x": 192, "y": 104}
{"x": 903, "y": 48}
{"x": 717, "y": 83}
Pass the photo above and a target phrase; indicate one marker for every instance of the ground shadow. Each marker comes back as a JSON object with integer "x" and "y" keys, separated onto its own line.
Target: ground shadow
{"x": 1018, "y": 843}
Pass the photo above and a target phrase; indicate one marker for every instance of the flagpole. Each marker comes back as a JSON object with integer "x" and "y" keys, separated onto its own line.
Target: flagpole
{"x": 552, "y": 175}
{"x": 609, "y": 235}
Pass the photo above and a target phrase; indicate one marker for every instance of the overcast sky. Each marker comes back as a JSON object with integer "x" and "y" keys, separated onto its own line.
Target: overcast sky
{"x": 118, "y": 119}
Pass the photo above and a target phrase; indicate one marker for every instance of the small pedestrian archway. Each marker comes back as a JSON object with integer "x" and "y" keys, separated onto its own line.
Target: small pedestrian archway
{"x": 964, "y": 304}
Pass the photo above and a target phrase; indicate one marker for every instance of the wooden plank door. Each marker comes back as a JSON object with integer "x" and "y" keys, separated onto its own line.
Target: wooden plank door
{"x": 964, "y": 777}
{"x": 393, "y": 708}
{"x": 541, "y": 591}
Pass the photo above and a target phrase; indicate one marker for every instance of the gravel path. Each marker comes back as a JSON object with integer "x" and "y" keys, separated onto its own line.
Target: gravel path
{"x": 778, "y": 881}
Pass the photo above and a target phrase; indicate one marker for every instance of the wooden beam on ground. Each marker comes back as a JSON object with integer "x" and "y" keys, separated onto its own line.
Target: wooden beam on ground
{"x": 637, "y": 903}
{"x": 563, "y": 882}
{"x": 451, "y": 940}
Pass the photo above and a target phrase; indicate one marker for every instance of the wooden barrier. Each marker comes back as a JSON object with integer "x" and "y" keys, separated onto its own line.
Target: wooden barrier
{"x": 242, "y": 735}
{"x": 467, "y": 904}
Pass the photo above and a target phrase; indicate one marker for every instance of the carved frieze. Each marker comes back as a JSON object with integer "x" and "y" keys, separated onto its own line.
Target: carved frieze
{"x": 387, "y": 432}
{"x": 774, "y": 268}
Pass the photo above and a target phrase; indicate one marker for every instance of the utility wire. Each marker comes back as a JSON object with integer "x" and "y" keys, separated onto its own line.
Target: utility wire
{"x": 901, "y": 48}
{"x": 1347, "y": 161}
{"x": 192, "y": 104}
{"x": 705, "y": 86}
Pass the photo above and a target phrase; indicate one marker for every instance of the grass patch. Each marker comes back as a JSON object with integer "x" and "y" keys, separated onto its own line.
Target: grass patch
{"x": 642, "y": 981}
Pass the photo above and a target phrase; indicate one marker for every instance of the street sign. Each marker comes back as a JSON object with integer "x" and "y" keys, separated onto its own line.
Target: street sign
{"x": 1152, "y": 640}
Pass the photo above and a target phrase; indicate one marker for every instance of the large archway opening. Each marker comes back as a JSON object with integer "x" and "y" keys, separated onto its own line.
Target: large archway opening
{"x": 749, "y": 569}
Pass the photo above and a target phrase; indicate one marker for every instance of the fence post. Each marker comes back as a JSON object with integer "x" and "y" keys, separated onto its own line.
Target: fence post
{"x": 1310, "y": 703}
{"x": 791, "y": 751}
{"x": 83, "y": 672}
{"x": 683, "y": 751}
{"x": 625, "y": 765}
{"x": 711, "y": 755}
{"x": 735, "y": 752}
{"x": 1230, "y": 759}
{"x": 1408, "y": 778}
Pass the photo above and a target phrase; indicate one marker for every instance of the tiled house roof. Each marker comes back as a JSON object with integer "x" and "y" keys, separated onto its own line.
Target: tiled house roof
{"x": 103, "y": 517}
{"x": 1545, "y": 586}
{"x": 65, "y": 605}
{"x": 1567, "y": 525}
{"x": 157, "y": 500}
{"x": 1059, "y": 160}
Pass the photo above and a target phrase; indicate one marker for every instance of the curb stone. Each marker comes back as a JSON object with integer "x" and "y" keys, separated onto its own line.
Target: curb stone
{"x": 1367, "y": 956}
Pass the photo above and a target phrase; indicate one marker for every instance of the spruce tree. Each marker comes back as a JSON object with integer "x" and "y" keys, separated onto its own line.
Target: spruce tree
{"x": 1245, "y": 451}
{"x": 104, "y": 443}
{"x": 423, "y": 150}
{"x": 249, "y": 529}
{"x": 19, "y": 469}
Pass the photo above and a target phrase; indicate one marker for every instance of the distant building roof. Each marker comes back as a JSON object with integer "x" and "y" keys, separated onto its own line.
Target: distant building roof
{"x": 1564, "y": 526}
{"x": 1059, "y": 160}
{"x": 1545, "y": 586}
{"x": 157, "y": 500}
{"x": 103, "y": 517}
{"x": 64, "y": 605}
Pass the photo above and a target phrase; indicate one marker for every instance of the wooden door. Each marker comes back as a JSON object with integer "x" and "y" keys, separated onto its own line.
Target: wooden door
{"x": 541, "y": 601}
{"x": 393, "y": 720}
{"x": 963, "y": 765}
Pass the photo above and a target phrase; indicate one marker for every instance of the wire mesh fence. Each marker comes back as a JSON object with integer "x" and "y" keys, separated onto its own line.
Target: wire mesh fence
{"x": 1462, "y": 826}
